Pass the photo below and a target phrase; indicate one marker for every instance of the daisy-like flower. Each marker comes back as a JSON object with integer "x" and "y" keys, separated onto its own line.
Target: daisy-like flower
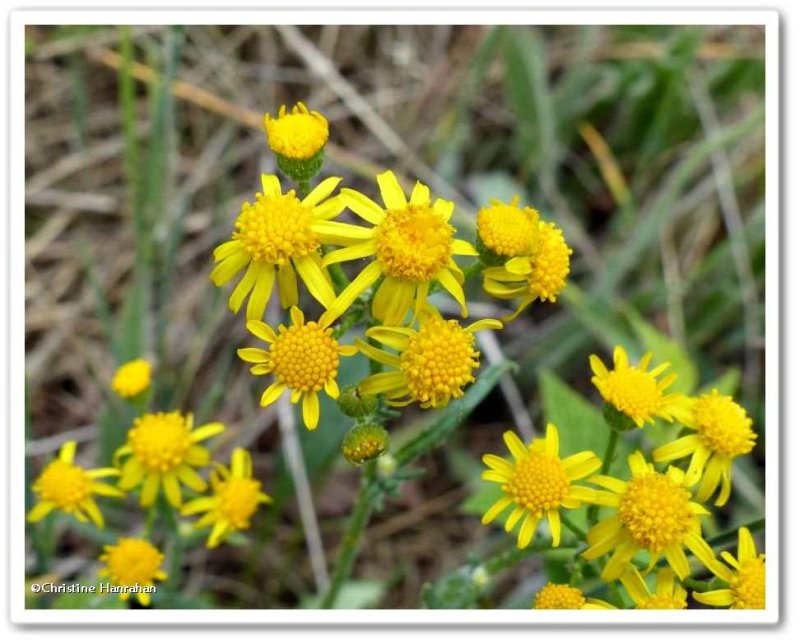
{"x": 412, "y": 242}
{"x": 541, "y": 274}
{"x": 652, "y": 512}
{"x": 538, "y": 483}
{"x": 162, "y": 450}
{"x": 722, "y": 431}
{"x": 746, "y": 578}
{"x": 279, "y": 237}
{"x": 434, "y": 365}
{"x": 133, "y": 564}
{"x": 298, "y": 134}
{"x": 70, "y": 488}
{"x": 132, "y": 378}
{"x": 668, "y": 595}
{"x": 564, "y": 597}
{"x": 508, "y": 230}
{"x": 236, "y": 497}
{"x": 303, "y": 357}
{"x": 636, "y": 392}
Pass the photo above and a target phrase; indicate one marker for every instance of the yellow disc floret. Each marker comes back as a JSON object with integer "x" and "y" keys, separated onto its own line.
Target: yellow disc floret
{"x": 132, "y": 378}
{"x": 656, "y": 511}
{"x": 304, "y": 357}
{"x": 160, "y": 441}
{"x": 507, "y": 229}
{"x": 237, "y": 501}
{"x": 633, "y": 391}
{"x": 559, "y": 596}
{"x": 723, "y": 425}
{"x": 549, "y": 263}
{"x": 748, "y": 585}
{"x": 299, "y": 134}
{"x": 540, "y": 483}
{"x": 276, "y": 228}
{"x": 134, "y": 564}
{"x": 64, "y": 484}
{"x": 439, "y": 361}
{"x": 413, "y": 243}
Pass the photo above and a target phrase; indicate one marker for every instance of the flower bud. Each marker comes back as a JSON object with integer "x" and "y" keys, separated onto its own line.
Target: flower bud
{"x": 355, "y": 404}
{"x": 364, "y": 443}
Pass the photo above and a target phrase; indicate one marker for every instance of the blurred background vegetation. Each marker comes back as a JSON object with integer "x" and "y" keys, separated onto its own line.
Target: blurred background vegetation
{"x": 645, "y": 144}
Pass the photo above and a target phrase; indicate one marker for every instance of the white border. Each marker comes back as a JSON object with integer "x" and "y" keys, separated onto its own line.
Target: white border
{"x": 20, "y": 615}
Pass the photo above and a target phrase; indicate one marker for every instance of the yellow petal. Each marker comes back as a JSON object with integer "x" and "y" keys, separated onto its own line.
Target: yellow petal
{"x": 40, "y": 511}
{"x": 315, "y": 280}
{"x": 493, "y": 512}
{"x": 257, "y": 303}
{"x": 149, "y": 489}
{"x": 360, "y": 284}
{"x": 67, "y": 452}
{"x": 244, "y": 287}
{"x": 172, "y": 489}
{"x": 321, "y": 191}
{"x": 272, "y": 393}
{"x": 363, "y": 206}
{"x": 391, "y": 192}
{"x": 287, "y": 286}
{"x": 420, "y": 195}
{"x": 311, "y": 410}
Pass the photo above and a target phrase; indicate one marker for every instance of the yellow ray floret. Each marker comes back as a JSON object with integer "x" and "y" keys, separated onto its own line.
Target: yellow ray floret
{"x": 653, "y": 512}
{"x": 132, "y": 378}
{"x": 541, "y": 275}
{"x": 163, "y": 450}
{"x": 508, "y": 230}
{"x": 303, "y": 357}
{"x": 637, "y": 392}
{"x": 412, "y": 244}
{"x": 746, "y": 578}
{"x": 235, "y": 498}
{"x": 538, "y": 483}
{"x": 434, "y": 365}
{"x": 67, "y": 487}
{"x": 668, "y": 595}
{"x": 278, "y": 238}
{"x": 722, "y": 432}
{"x": 133, "y": 563}
{"x": 298, "y": 134}
{"x": 565, "y": 597}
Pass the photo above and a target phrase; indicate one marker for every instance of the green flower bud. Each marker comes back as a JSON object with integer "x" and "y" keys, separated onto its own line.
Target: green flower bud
{"x": 355, "y": 404}
{"x": 616, "y": 420}
{"x": 364, "y": 443}
{"x": 301, "y": 170}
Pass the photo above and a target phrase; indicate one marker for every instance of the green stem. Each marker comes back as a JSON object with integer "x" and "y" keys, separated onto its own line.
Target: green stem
{"x": 573, "y": 528}
{"x": 349, "y": 548}
{"x": 611, "y": 448}
{"x": 514, "y": 555}
{"x": 730, "y": 535}
{"x": 303, "y": 187}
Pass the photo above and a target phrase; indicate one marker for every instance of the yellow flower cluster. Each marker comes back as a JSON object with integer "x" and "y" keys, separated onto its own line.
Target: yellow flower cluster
{"x": 653, "y": 512}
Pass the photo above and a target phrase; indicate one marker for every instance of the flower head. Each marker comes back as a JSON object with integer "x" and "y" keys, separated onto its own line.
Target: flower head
{"x": 365, "y": 442}
{"x": 564, "y": 597}
{"x": 508, "y": 230}
{"x": 70, "y": 488}
{"x": 303, "y": 357}
{"x": 538, "y": 483}
{"x": 235, "y": 498}
{"x": 635, "y": 391}
{"x": 722, "y": 431}
{"x": 162, "y": 450}
{"x": 746, "y": 577}
{"x": 413, "y": 246}
{"x": 132, "y": 378}
{"x": 297, "y": 134}
{"x": 668, "y": 595}
{"x": 654, "y": 512}
{"x": 541, "y": 274}
{"x": 434, "y": 365}
{"x": 279, "y": 236}
{"x": 133, "y": 563}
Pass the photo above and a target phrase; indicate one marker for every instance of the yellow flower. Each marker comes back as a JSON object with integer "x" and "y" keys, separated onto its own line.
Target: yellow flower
{"x": 668, "y": 595}
{"x": 413, "y": 245}
{"x": 236, "y": 496}
{"x": 298, "y": 134}
{"x": 508, "y": 230}
{"x": 303, "y": 357}
{"x": 133, "y": 563}
{"x": 652, "y": 512}
{"x": 279, "y": 236}
{"x": 564, "y": 597}
{"x": 434, "y": 365}
{"x": 67, "y": 487}
{"x": 542, "y": 274}
{"x": 746, "y": 578}
{"x": 636, "y": 392}
{"x": 132, "y": 378}
{"x": 538, "y": 483}
{"x": 723, "y": 431}
{"x": 163, "y": 450}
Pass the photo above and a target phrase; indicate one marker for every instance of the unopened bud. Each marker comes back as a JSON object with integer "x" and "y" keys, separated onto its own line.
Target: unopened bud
{"x": 355, "y": 404}
{"x": 364, "y": 443}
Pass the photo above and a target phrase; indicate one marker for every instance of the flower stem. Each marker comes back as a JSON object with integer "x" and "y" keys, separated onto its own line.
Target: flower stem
{"x": 729, "y": 535}
{"x": 349, "y": 548}
{"x": 573, "y": 528}
{"x": 611, "y": 448}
